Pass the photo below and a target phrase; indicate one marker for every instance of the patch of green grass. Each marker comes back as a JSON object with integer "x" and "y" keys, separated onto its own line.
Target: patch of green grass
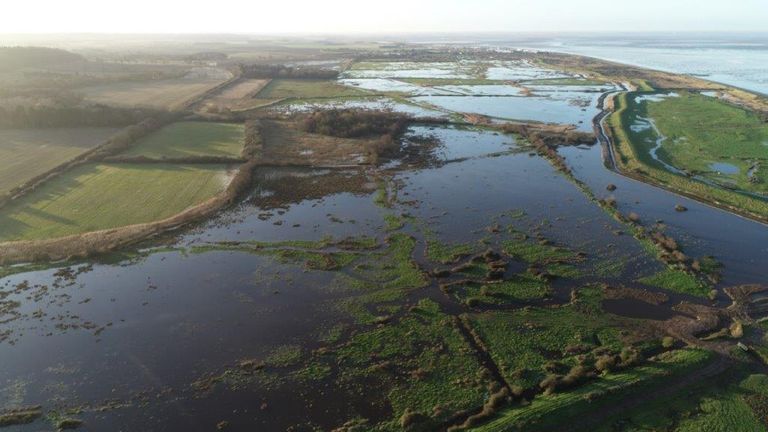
{"x": 284, "y": 356}
{"x": 393, "y": 222}
{"x": 535, "y": 253}
{"x": 703, "y": 130}
{"x": 520, "y": 288}
{"x": 729, "y": 403}
{"x": 192, "y": 139}
{"x": 313, "y": 372}
{"x": 96, "y": 197}
{"x": 691, "y": 146}
{"x": 445, "y": 253}
{"x": 307, "y": 89}
{"x": 385, "y": 275}
{"x": 678, "y": 281}
{"x": 555, "y": 411}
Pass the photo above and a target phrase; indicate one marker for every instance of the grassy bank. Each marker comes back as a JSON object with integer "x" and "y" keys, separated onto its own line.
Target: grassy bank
{"x": 306, "y": 89}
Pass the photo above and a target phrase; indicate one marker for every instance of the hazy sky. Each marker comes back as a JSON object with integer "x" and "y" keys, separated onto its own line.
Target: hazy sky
{"x": 341, "y": 16}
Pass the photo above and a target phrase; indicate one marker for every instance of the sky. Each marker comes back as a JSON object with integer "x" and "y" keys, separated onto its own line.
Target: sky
{"x": 381, "y": 16}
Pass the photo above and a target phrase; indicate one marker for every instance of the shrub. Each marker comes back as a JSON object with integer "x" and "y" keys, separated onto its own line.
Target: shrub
{"x": 668, "y": 342}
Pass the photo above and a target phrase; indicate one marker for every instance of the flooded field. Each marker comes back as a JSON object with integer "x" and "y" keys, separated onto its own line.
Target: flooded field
{"x": 469, "y": 266}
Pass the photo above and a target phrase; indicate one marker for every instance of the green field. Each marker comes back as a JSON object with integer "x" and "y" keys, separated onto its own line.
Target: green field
{"x": 739, "y": 146}
{"x": 307, "y": 89}
{"x": 702, "y": 131}
{"x": 192, "y": 139}
{"x": 25, "y": 154}
{"x": 95, "y": 197}
{"x": 735, "y": 403}
{"x": 558, "y": 411}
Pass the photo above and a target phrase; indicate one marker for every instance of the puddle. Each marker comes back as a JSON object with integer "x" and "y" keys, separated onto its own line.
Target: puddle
{"x": 632, "y": 308}
{"x": 724, "y": 168}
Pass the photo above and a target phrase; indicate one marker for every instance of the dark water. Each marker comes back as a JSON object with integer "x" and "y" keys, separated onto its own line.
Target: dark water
{"x": 740, "y": 244}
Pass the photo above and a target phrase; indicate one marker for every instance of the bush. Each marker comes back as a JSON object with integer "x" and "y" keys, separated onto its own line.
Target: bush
{"x": 668, "y": 342}
{"x": 355, "y": 123}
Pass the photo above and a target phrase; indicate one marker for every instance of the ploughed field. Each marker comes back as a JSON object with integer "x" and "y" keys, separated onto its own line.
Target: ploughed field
{"x": 163, "y": 94}
{"x": 472, "y": 278}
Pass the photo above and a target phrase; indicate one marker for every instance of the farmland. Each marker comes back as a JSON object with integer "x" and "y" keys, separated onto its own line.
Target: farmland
{"x": 162, "y": 94}
{"x": 96, "y": 197}
{"x": 238, "y": 96}
{"x": 25, "y": 154}
{"x": 306, "y": 89}
{"x": 191, "y": 139}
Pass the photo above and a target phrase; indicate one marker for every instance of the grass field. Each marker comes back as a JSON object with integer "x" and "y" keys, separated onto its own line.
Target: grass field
{"x": 191, "y": 139}
{"x": 95, "y": 197}
{"x": 25, "y": 154}
{"x": 307, "y": 89}
{"x": 633, "y": 158}
{"x": 165, "y": 94}
{"x": 702, "y": 131}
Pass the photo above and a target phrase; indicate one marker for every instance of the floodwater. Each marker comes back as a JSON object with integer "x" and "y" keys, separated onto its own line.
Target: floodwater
{"x": 740, "y": 244}
{"x": 577, "y": 111}
{"x": 367, "y": 104}
{"x": 134, "y": 334}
